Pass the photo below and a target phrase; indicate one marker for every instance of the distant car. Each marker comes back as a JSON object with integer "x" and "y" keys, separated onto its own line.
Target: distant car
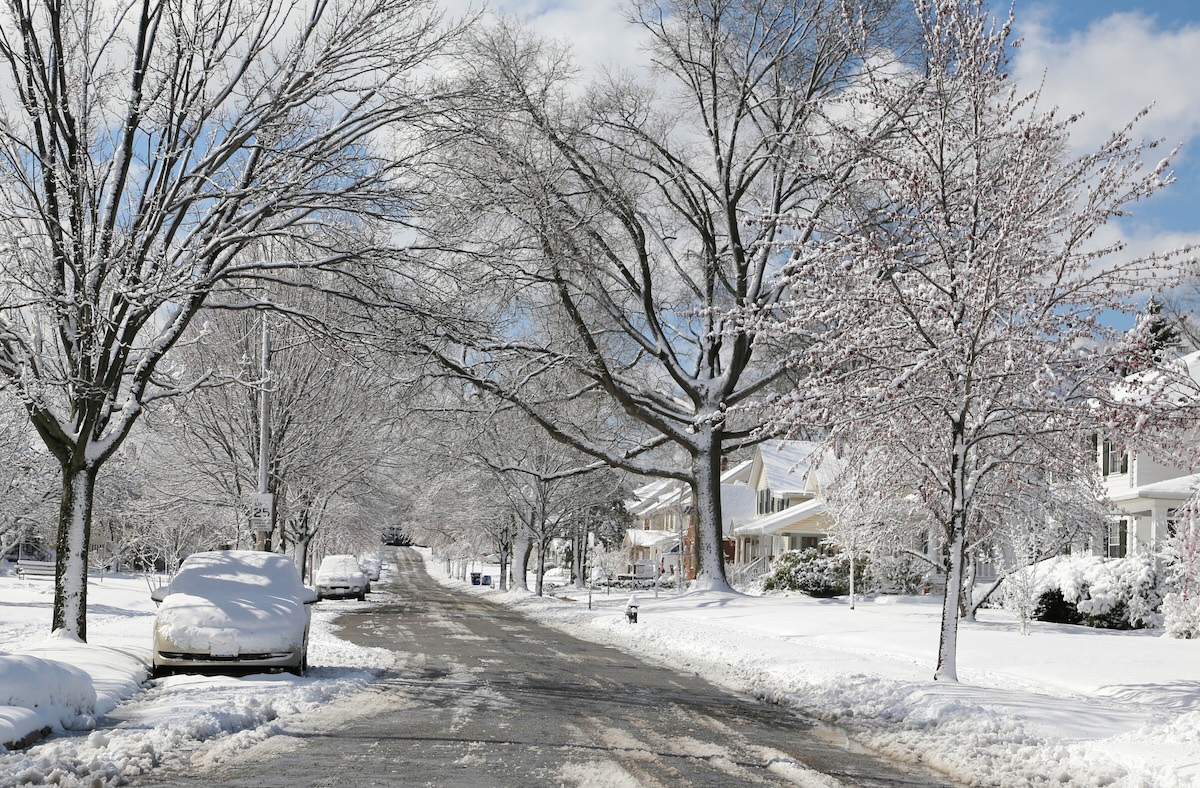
{"x": 372, "y": 566}
{"x": 340, "y": 577}
{"x": 395, "y": 537}
{"x": 225, "y": 610}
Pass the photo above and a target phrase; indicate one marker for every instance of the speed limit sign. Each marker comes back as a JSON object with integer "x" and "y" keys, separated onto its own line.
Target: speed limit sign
{"x": 262, "y": 506}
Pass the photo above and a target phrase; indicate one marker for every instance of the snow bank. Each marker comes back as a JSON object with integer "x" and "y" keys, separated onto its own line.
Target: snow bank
{"x": 182, "y": 722}
{"x": 62, "y": 683}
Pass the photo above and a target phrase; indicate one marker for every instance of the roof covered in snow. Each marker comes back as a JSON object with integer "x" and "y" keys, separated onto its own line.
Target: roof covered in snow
{"x": 636, "y": 537}
{"x": 1179, "y": 488}
{"x": 786, "y": 464}
{"x": 1175, "y": 380}
{"x": 657, "y": 495}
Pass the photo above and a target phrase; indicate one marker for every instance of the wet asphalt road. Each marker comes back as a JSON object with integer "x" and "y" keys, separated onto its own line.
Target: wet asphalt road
{"x": 488, "y": 698}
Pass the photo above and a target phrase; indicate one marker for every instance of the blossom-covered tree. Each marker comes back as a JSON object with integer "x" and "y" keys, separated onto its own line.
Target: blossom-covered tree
{"x": 146, "y": 149}
{"x": 953, "y": 312}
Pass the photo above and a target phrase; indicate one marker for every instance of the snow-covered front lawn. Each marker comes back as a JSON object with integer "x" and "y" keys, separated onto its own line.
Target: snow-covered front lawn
{"x": 1062, "y": 706}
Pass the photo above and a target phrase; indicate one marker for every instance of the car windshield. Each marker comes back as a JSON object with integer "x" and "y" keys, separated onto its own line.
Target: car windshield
{"x": 205, "y": 574}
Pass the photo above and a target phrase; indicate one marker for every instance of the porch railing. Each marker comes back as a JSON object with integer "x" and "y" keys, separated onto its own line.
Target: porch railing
{"x": 741, "y": 575}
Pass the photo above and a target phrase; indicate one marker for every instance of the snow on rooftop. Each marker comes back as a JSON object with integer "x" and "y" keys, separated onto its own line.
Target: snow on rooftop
{"x": 637, "y": 537}
{"x": 786, "y": 464}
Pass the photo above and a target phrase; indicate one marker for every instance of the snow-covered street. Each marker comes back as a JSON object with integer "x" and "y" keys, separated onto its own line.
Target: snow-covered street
{"x": 1062, "y": 706}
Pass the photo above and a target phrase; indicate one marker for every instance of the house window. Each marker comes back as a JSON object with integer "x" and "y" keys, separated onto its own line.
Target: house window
{"x": 1114, "y": 461}
{"x": 764, "y": 501}
{"x": 807, "y": 542}
{"x": 767, "y": 504}
{"x": 1118, "y": 538}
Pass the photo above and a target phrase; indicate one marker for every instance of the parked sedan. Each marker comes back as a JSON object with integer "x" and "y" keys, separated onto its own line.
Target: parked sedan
{"x": 233, "y": 609}
{"x": 372, "y": 565}
{"x": 341, "y": 577}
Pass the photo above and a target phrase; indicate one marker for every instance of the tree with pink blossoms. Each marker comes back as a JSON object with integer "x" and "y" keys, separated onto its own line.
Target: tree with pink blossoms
{"x": 953, "y": 316}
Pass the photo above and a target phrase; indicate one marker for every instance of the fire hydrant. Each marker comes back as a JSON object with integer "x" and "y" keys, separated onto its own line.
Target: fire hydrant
{"x": 631, "y": 608}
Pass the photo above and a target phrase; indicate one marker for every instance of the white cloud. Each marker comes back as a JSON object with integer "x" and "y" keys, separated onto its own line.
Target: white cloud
{"x": 597, "y": 31}
{"x": 1113, "y": 69}
{"x": 1110, "y": 71}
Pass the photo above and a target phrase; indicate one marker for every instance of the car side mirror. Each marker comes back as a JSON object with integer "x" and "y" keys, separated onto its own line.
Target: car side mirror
{"x": 309, "y": 595}
{"x": 159, "y": 594}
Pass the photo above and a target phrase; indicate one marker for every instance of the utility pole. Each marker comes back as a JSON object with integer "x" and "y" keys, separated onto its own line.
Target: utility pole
{"x": 263, "y": 510}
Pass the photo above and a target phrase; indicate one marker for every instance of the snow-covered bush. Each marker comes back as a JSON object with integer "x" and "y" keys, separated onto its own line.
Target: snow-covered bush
{"x": 1118, "y": 593}
{"x": 1019, "y": 596}
{"x": 1181, "y": 616}
{"x": 815, "y": 575}
{"x": 901, "y": 574}
{"x": 1181, "y": 607}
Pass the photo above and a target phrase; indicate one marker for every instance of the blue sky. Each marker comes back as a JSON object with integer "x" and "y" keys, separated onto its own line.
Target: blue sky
{"x": 1078, "y": 14}
{"x": 1108, "y": 58}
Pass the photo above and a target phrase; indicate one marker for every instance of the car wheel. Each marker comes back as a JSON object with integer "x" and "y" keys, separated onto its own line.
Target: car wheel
{"x": 362, "y": 597}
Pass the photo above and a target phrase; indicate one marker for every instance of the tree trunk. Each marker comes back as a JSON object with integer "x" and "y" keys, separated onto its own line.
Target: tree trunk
{"x": 577, "y": 555}
{"x": 947, "y": 662}
{"x": 966, "y": 607}
{"x": 74, "y": 536}
{"x": 302, "y": 554}
{"x": 541, "y": 567}
{"x": 522, "y": 548}
{"x": 706, "y": 496}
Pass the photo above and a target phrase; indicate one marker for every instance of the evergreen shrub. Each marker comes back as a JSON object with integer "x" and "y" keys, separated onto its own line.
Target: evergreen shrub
{"x": 1108, "y": 593}
{"x": 813, "y": 574}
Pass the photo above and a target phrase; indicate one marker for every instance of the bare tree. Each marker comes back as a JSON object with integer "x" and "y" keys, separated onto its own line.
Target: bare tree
{"x": 333, "y": 423}
{"x": 145, "y": 147}
{"x": 626, "y": 223}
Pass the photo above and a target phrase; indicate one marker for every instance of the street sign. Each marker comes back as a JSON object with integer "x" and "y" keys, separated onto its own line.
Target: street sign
{"x": 262, "y": 507}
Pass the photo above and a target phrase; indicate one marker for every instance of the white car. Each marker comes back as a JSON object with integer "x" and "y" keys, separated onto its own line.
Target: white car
{"x": 340, "y": 577}
{"x": 372, "y": 566}
{"x": 241, "y": 610}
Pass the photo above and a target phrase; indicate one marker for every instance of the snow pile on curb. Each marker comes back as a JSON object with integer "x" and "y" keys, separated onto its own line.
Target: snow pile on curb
{"x": 60, "y": 684}
{"x": 41, "y": 689}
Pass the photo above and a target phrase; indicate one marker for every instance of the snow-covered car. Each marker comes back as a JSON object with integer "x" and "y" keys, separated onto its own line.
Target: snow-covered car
{"x": 225, "y": 610}
{"x": 340, "y": 577}
{"x": 372, "y": 566}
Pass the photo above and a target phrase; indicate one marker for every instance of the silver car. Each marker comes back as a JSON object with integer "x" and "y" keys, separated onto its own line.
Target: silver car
{"x": 341, "y": 577}
{"x": 227, "y": 610}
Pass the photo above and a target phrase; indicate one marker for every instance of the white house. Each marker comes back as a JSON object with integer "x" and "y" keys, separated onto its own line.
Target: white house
{"x": 786, "y": 478}
{"x": 1147, "y": 490}
{"x": 663, "y": 509}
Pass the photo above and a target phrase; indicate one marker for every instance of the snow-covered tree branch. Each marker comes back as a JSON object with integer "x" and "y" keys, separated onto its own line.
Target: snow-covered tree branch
{"x": 626, "y": 218}
{"x": 145, "y": 149}
{"x": 954, "y": 311}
